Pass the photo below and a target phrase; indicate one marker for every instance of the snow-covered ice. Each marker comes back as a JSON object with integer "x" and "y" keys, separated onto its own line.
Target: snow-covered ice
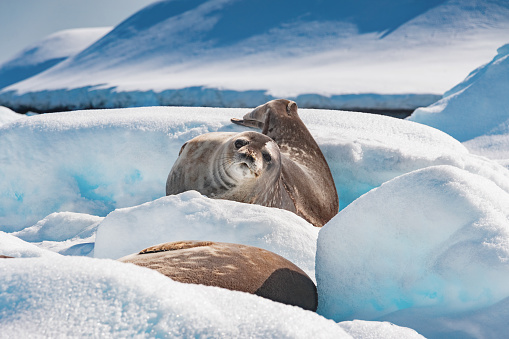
{"x": 434, "y": 241}
{"x": 439, "y": 211}
{"x": 99, "y": 181}
{"x": 58, "y": 227}
{"x": 93, "y": 161}
{"x": 377, "y": 329}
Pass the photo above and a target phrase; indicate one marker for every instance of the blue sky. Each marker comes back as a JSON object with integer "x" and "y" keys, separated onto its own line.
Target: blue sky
{"x": 23, "y": 22}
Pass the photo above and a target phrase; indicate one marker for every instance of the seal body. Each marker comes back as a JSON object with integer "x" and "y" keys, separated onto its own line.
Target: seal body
{"x": 281, "y": 167}
{"x": 232, "y": 266}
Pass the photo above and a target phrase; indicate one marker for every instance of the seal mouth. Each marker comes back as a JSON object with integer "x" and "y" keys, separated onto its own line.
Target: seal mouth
{"x": 248, "y": 169}
{"x": 245, "y": 170}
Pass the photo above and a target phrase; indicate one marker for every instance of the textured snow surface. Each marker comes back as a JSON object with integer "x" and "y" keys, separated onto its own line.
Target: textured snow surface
{"x": 8, "y": 115}
{"x": 77, "y": 297}
{"x": 58, "y": 296}
{"x": 434, "y": 241}
{"x": 375, "y": 329}
{"x": 13, "y": 246}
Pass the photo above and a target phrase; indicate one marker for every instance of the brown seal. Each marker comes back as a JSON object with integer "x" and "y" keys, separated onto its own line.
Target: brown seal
{"x": 281, "y": 167}
{"x": 5, "y": 257}
{"x": 232, "y": 266}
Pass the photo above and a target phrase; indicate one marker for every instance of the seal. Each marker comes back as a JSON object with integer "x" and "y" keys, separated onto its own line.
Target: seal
{"x": 231, "y": 266}
{"x": 281, "y": 167}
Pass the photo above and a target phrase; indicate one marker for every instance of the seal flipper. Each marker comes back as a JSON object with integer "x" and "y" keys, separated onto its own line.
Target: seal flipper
{"x": 257, "y": 118}
{"x": 248, "y": 123}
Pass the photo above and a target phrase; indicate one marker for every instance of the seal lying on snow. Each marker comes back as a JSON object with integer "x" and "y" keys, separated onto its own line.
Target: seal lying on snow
{"x": 232, "y": 266}
{"x": 281, "y": 167}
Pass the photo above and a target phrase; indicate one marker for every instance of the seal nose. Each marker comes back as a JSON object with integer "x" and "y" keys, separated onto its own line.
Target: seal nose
{"x": 249, "y": 155}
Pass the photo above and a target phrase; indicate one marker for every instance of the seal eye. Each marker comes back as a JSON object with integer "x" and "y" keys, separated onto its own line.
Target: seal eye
{"x": 266, "y": 156}
{"x": 240, "y": 142}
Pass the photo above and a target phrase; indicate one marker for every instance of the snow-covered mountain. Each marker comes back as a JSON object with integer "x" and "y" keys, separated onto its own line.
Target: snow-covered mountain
{"x": 48, "y": 52}
{"x": 243, "y": 53}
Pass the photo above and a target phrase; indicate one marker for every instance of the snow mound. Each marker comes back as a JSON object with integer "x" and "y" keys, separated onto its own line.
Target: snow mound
{"x": 93, "y": 162}
{"x": 360, "y": 329}
{"x": 67, "y": 233}
{"x": 48, "y": 52}
{"x": 8, "y": 115}
{"x": 59, "y": 226}
{"x": 191, "y": 216}
{"x": 435, "y": 240}
{"x": 364, "y": 150}
{"x": 71, "y": 297}
{"x": 477, "y": 106}
{"x": 494, "y": 146}
{"x": 97, "y": 161}
{"x": 13, "y": 246}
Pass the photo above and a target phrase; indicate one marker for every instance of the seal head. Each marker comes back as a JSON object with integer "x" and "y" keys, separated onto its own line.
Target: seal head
{"x": 244, "y": 167}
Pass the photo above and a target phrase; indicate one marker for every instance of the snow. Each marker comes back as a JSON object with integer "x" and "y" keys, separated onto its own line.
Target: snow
{"x": 8, "y": 115}
{"x": 48, "y": 52}
{"x": 434, "y": 243}
{"x": 476, "y": 107}
{"x": 493, "y": 146}
{"x": 191, "y": 216}
{"x": 377, "y": 329}
{"x": 67, "y": 233}
{"x": 93, "y": 161}
{"x": 364, "y": 151}
{"x": 13, "y": 246}
{"x": 77, "y": 297}
{"x": 332, "y": 55}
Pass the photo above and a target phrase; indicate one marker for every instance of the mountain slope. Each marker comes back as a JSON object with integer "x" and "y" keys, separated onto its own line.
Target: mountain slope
{"x": 48, "y": 52}
{"x": 285, "y": 49}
